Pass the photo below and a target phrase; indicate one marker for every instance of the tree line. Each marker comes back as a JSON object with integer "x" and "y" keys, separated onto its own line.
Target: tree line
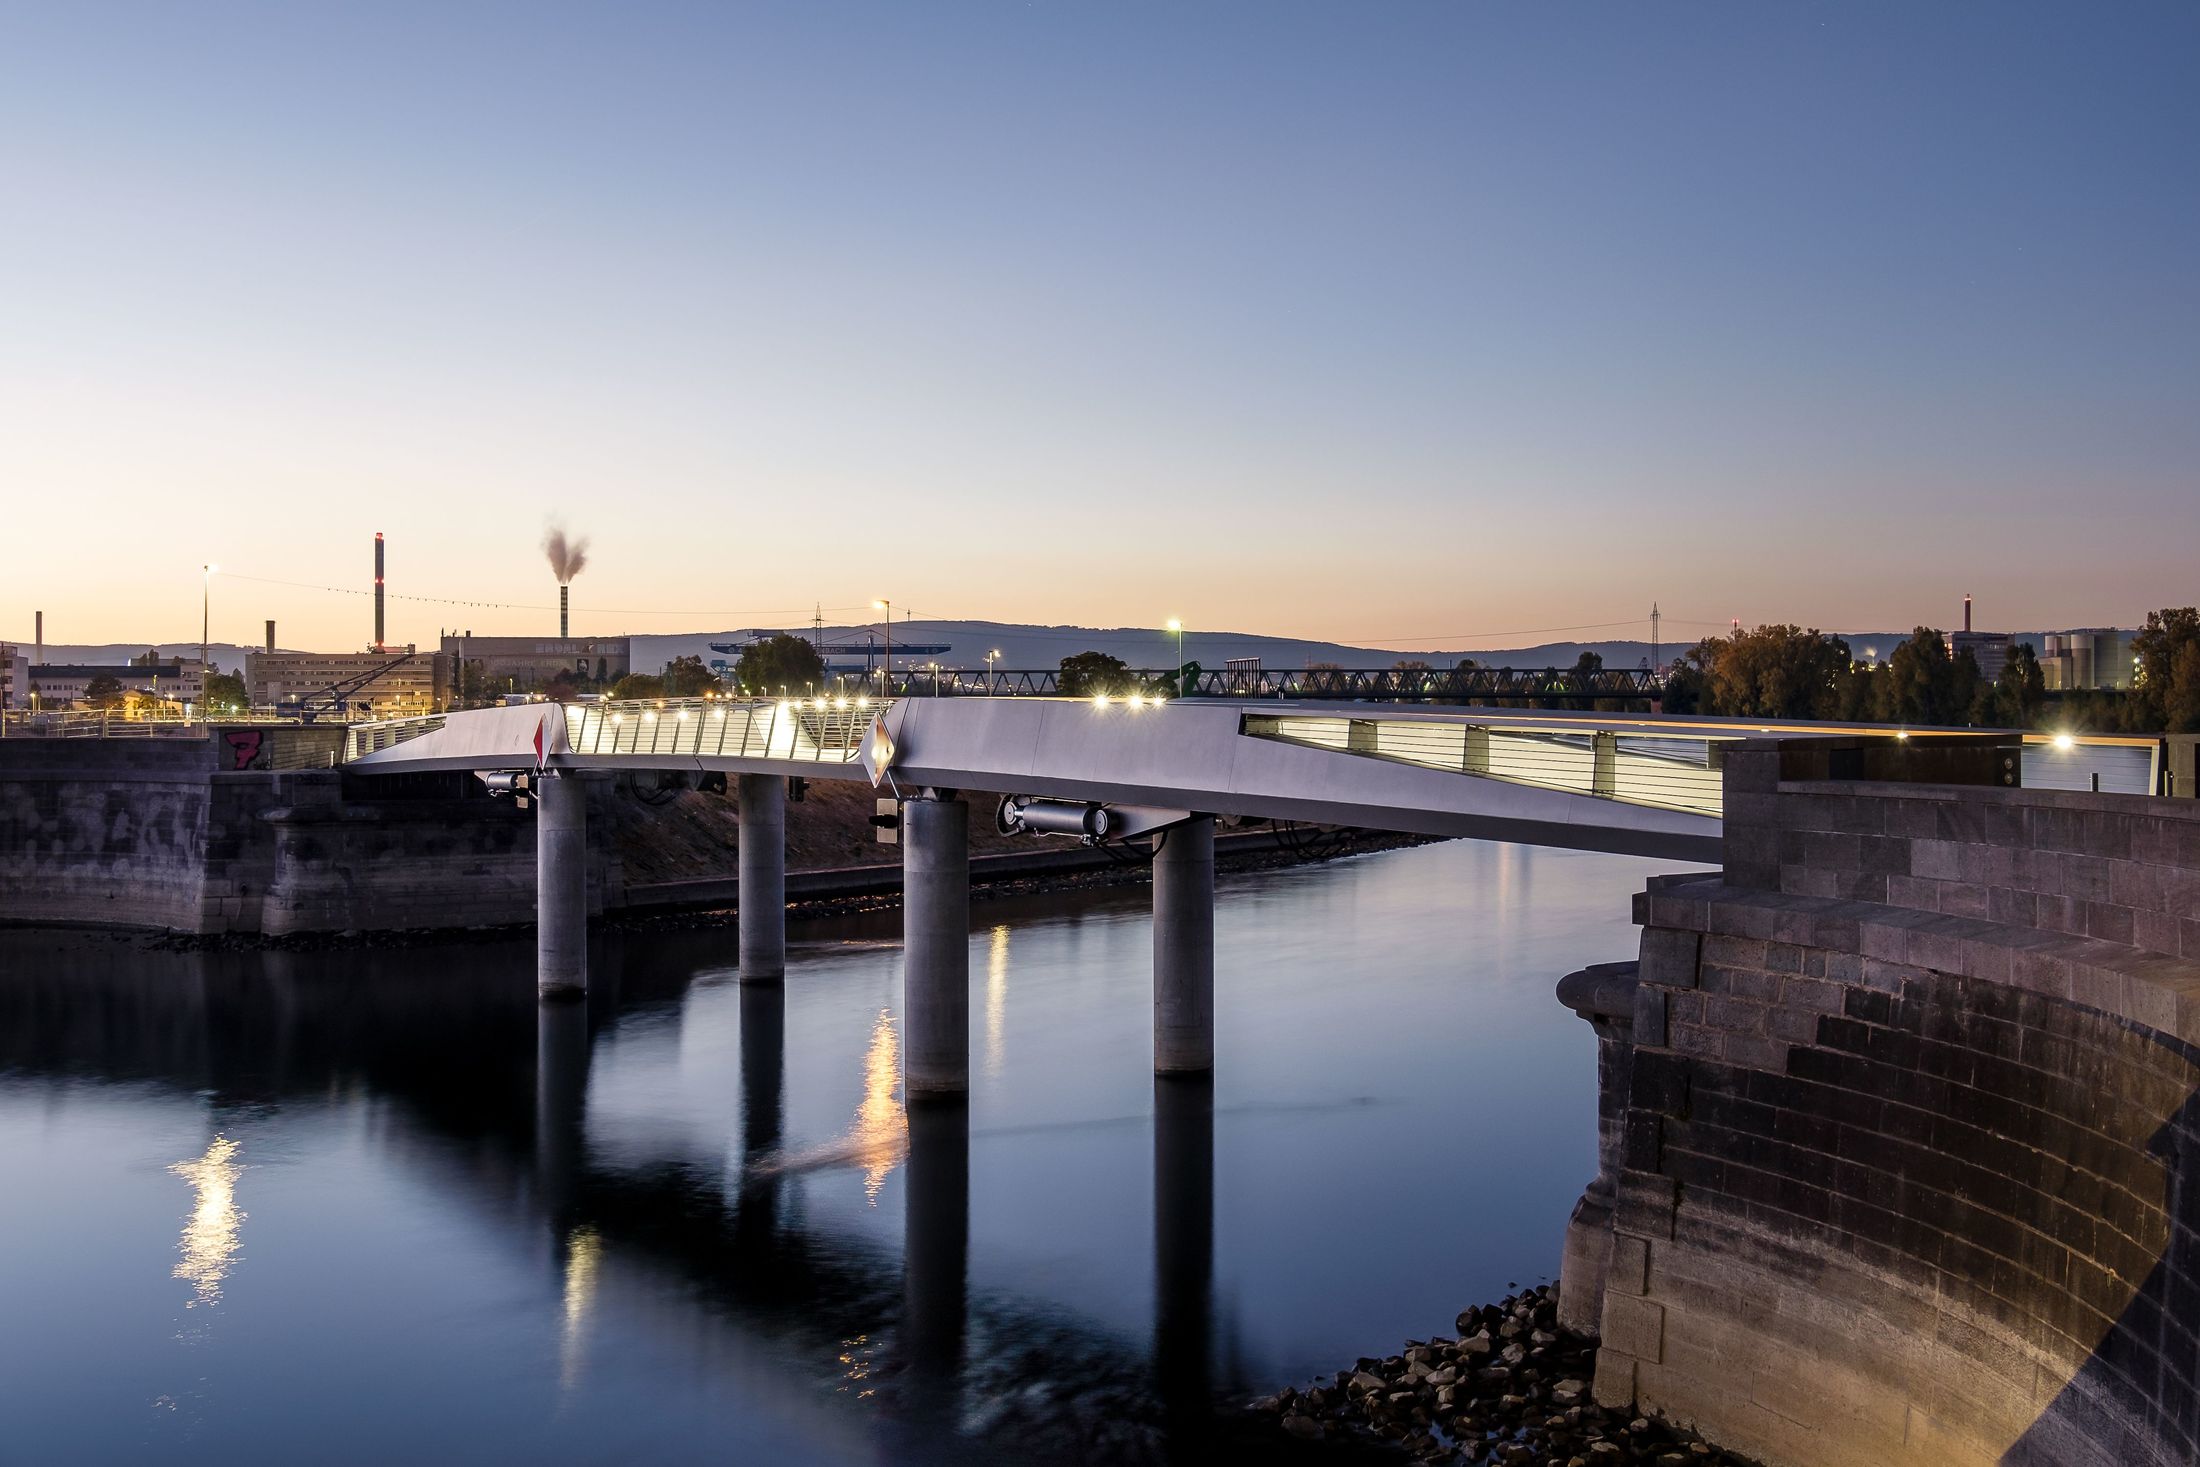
{"x": 1795, "y": 672}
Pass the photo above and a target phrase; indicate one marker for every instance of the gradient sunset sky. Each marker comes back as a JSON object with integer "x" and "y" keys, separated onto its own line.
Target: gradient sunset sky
{"x": 1397, "y": 324}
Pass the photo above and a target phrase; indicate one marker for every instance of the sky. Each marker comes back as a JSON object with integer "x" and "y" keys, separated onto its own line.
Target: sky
{"x": 1407, "y": 324}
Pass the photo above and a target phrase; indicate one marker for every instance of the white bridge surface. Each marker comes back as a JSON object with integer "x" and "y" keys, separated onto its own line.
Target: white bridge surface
{"x": 1643, "y": 785}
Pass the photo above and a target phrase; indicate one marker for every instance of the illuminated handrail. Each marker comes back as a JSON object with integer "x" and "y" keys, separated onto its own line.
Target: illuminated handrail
{"x": 1673, "y": 766}
{"x": 816, "y": 730}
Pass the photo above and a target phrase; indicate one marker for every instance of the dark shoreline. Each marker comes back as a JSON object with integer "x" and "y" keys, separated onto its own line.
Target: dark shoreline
{"x": 876, "y": 889}
{"x": 1512, "y": 1387}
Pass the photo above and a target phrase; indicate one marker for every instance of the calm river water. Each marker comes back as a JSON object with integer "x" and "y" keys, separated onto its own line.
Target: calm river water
{"x": 363, "y": 1207}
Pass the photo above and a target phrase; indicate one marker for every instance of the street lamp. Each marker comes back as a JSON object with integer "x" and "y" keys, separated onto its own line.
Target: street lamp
{"x": 206, "y": 601}
{"x": 991, "y": 658}
{"x": 1176, "y": 625}
{"x": 887, "y": 689}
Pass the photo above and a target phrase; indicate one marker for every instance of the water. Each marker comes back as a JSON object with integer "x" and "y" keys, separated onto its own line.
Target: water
{"x": 363, "y": 1207}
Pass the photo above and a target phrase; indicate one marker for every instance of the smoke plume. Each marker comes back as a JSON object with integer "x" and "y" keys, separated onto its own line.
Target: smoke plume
{"x": 567, "y": 555}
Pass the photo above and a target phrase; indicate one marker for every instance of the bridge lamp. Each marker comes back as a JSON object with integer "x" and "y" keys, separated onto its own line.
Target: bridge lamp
{"x": 649, "y": 717}
{"x": 2064, "y": 743}
{"x": 840, "y": 702}
{"x": 683, "y": 715}
{"x": 719, "y": 714}
{"x": 618, "y": 718}
{"x": 1138, "y": 700}
{"x": 1099, "y": 700}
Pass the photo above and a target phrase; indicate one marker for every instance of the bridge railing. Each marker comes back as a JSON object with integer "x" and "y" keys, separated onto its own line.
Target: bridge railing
{"x": 826, "y": 730}
{"x": 1530, "y": 687}
{"x": 1655, "y": 770}
{"x": 1676, "y": 767}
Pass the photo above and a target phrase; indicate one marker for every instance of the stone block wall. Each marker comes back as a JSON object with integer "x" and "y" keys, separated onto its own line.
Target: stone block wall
{"x": 148, "y": 833}
{"x": 1909, "y": 1163}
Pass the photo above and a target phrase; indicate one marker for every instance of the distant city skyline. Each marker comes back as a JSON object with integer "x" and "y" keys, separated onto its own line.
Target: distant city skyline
{"x": 1431, "y": 325}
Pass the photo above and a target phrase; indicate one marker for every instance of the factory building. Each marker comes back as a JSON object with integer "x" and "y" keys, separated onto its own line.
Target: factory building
{"x": 524, "y": 664}
{"x": 385, "y": 684}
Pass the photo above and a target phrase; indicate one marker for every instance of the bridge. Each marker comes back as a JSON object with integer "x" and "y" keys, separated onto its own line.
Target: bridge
{"x": 1109, "y": 768}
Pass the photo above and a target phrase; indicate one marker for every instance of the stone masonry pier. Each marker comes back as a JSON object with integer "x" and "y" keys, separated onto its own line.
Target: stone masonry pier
{"x": 1901, "y": 1149}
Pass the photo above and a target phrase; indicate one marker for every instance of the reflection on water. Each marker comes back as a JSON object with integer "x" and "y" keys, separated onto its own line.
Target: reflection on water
{"x": 211, "y": 1233}
{"x": 878, "y": 1137}
{"x": 691, "y": 1220}
{"x": 583, "y": 1254}
{"x": 996, "y": 998}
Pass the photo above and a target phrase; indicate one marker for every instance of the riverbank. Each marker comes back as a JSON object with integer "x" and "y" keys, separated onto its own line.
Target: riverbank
{"x": 1513, "y": 1387}
{"x": 692, "y": 904}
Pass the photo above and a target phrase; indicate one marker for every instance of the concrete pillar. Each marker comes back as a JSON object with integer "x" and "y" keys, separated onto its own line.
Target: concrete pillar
{"x": 763, "y": 878}
{"x": 763, "y": 1110}
{"x": 561, "y": 886}
{"x": 936, "y": 1249}
{"x": 1184, "y": 1250}
{"x": 561, "y": 1102}
{"x": 1184, "y": 949}
{"x": 935, "y": 916}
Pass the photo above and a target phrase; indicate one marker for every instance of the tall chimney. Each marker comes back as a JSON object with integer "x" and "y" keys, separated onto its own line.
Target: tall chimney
{"x": 377, "y": 590}
{"x": 565, "y": 596}
{"x": 1966, "y": 611}
{"x": 271, "y": 634}
{"x": 38, "y": 657}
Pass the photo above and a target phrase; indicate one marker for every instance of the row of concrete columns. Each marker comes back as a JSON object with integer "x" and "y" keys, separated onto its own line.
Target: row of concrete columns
{"x": 935, "y": 836}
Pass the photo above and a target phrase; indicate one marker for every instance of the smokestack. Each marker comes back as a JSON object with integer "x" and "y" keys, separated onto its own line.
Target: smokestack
{"x": 38, "y": 656}
{"x": 566, "y": 554}
{"x": 377, "y": 590}
{"x": 271, "y": 634}
{"x": 1966, "y": 611}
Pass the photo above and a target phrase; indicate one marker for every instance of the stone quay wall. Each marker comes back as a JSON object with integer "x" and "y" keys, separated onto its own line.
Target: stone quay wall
{"x": 1906, "y": 1167}
{"x": 155, "y": 833}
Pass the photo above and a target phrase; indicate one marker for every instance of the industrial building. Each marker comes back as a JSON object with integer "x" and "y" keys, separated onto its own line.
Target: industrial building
{"x": 2093, "y": 658}
{"x": 522, "y": 664}
{"x": 387, "y": 683}
{"x": 1990, "y": 650}
{"x": 66, "y": 684}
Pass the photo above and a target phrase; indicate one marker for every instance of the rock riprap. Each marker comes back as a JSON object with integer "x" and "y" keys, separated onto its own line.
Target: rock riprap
{"x": 1513, "y": 1387}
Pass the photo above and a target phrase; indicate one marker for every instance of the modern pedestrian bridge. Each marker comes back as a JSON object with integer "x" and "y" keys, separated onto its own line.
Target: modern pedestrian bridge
{"x": 1100, "y": 767}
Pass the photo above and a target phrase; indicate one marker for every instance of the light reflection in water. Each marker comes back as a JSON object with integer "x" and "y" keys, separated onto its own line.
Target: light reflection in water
{"x": 583, "y": 1256}
{"x": 210, "y": 1234}
{"x": 880, "y": 1136}
{"x": 996, "y": 998}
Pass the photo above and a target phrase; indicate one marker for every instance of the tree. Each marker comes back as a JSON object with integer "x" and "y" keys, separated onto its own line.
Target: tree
{"x": 2166, "y": 688}
{"x": 563, "y": 688}
{"x": 1920, "y": 682}
{"x": 779, "y": 663}
{"x": 1783, "y": 671}
{"x": 226, "y": 693}
{"x": 2014, "y": 699}
{"x": 686, "y": 677}
{"x": 637, "y": 685}
{"x": 104, "y": 692}
{"x": 1087, "y": 674}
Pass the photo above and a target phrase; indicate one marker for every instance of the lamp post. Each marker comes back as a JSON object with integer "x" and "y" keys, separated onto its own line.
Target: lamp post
{"x": 990, "y": 658}
{"x": 886, "y": 690}
{"x": 206, "y": 602}
{"x": 1176, "y": 625}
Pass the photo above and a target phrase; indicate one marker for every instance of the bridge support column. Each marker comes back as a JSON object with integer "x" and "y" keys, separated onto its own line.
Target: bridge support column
{"x": 763, "y": 800}
{"x": 561, "y": 886}
{"x": 1184, "y": 949}
{"x": 935, "y": 916}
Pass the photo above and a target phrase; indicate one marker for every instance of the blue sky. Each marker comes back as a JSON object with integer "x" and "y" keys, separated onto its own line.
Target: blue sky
{"x": 1399, "y": 322}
